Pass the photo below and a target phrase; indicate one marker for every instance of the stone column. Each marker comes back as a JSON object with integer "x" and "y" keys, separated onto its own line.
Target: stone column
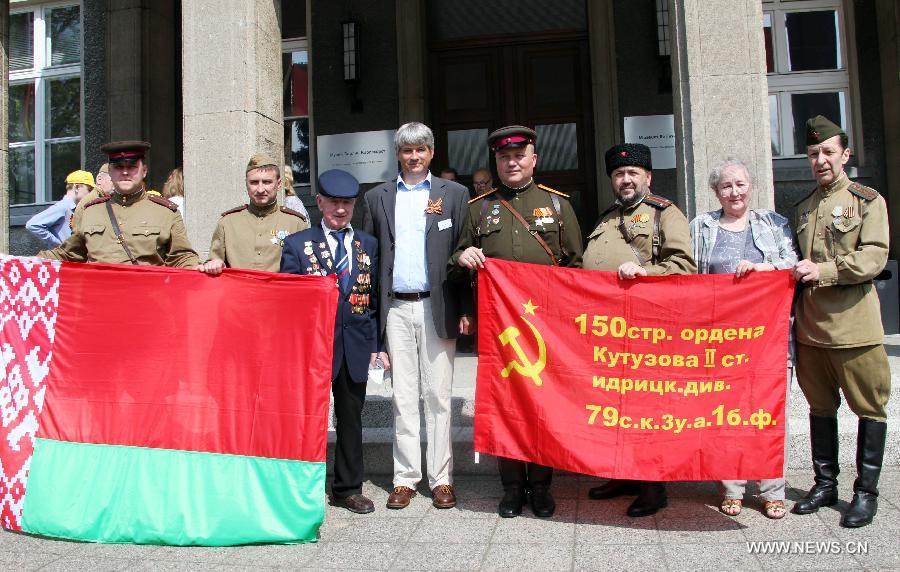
{"x": 4, "y": 127}
{"x": 411, "y": 53}
{"x": 232, "y": 100}
{"x": 720, "y": 96}
{"x": 889, "y": 48}
{"x": 604, "y": 89}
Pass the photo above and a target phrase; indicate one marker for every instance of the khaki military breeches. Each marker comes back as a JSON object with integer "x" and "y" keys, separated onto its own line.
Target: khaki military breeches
{"x": 862, "y": 374}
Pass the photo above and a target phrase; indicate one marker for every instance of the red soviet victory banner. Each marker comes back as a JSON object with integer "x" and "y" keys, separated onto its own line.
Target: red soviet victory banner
{"x": 660, "y": 378}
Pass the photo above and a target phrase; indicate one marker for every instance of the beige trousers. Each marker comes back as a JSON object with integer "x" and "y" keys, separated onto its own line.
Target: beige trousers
{"x": 422, "y": 364}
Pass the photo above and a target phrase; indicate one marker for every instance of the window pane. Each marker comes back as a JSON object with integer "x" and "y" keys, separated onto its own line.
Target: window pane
{"x": 21, "y": 41}
{"x": 806, "y": 105}
{"x": 767, "y": 39}
{"x": 293, "y": 19}
{"x": 21, "y": 175}
{"x": 557, "y": 147}
{"x": 813, "y": 40}
{"x": 467, "y": 150}
{"x": 64, "y": 31}
{"x": 296, "y": 146}
{"x": 774, "y": 126}
{"x": 296, "y": 83}
{"x": 61, "y": 159}
{"x": 63, "y": 111}
{"x": 21, "y": 113}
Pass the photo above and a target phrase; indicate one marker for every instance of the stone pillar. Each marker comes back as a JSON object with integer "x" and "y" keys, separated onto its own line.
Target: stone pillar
{"x": 4, "y": 127}
{"x": 720, "y": 96}
{"x": 411, "y": 54}
{"x": 232, "y": 103}
{"x": 889, "y": 48}
{"x": 95, "y": 98}
{"x": 604, "y": 89}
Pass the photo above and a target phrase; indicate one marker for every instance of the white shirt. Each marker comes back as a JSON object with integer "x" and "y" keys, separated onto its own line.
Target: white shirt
{"x": 332, "y": 243}
{"x": 410, "y": 257}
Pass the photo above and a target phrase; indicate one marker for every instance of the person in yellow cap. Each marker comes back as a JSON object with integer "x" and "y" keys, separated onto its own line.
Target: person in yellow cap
{"x": 842, "y": 232}
{"x": 252, "y": 235}
{"x": 53, "y": 225}
{"x": 128, "y": 226}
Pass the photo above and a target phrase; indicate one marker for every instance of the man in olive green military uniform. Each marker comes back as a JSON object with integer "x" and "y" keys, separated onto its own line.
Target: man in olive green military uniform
{"x": 842, "y": 232}
{"x": 526, "y": 222}
{"x": 128, "y": 226}
{"x": 640, "y": 234}
{"x": 252, "y": 235}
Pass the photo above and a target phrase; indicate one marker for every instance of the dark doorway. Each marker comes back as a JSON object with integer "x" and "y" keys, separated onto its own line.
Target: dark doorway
{"x": 542, "y": 81}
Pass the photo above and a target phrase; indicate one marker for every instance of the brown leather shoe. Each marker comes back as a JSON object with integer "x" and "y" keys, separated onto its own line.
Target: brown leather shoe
{"x": 442, "y": 496}
{"x": 400, "y": 497}
{"x": 359, "y": 504}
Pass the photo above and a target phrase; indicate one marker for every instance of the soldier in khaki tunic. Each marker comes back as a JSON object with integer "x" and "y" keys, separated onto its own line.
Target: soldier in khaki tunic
{"x": 842, "y": 233}
{"x": 128, "y": 226}
{"x": 640, "y": 234}
{"x": 526, "y": 222}
{"x": 252, "y": 235}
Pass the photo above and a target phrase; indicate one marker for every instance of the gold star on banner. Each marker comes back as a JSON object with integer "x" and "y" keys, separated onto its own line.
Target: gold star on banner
{"x": 529, "y": 307}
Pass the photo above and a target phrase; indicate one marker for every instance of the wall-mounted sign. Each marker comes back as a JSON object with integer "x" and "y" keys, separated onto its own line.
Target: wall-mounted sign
{"x": 369, "y": 155}
{"x": 656, "y": 132}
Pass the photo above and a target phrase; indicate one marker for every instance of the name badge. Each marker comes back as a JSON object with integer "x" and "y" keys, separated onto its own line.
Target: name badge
{"x": 445, "y": 224}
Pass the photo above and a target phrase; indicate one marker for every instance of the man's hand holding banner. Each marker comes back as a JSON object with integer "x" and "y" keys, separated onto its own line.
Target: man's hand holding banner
{"x": 661, "y": 378}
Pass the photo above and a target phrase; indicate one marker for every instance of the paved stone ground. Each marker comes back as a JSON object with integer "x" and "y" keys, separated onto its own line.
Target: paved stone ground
{"x": 584, "y": 535}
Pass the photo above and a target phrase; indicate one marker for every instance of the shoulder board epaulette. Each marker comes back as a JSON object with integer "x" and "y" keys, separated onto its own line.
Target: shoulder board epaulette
{"x": 153, "y": 193}
{"x": 482, "y": 195}
{"x": 657, "y": 201}
{"x": 293, "y": 212}
{"x": 163, "y": 202}
{"x": 806, "y": 196}
{"x": 554, "y": 191}
{"x": 234, "y": 210}
{"x": 863, "y": 192}
{"x": 98, "y": 201}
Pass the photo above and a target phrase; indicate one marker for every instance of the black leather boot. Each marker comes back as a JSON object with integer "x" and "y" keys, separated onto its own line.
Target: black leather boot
{"x": 614, "y": 488}
{"x": 542, "y": 503}
{"x": 513, "y": 499}
{"x": 651, "y": 498}
{"x": 869, "y": 456}
{"x": 823, "y": 432}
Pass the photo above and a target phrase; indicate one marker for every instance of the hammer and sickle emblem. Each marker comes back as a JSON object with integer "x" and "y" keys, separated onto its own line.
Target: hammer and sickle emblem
{"x": 523, "y": 366}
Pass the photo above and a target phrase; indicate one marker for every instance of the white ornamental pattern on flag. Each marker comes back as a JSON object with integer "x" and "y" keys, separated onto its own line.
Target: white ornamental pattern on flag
{"x": 29, "y": 298}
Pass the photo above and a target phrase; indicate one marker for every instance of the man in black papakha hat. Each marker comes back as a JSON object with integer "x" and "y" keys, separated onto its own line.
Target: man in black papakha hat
{"x": 640, "y": 234}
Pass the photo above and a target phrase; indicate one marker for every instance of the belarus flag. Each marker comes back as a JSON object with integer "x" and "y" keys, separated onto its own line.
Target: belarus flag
{"x": 156, "y": 405}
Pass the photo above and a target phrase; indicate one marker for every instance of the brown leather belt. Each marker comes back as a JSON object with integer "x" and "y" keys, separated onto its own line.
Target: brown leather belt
{"x": 411, "y": 296}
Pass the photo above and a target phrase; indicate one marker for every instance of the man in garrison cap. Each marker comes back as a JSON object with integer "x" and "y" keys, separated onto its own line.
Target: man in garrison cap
{"x": 523, "y": 221}
{"x": 842, "y": 233}
{"x": 252, "y": 235}
{"x": 335, "y": 247}
{"x": 640, "y": 234}
{"x": 128, "y": 226}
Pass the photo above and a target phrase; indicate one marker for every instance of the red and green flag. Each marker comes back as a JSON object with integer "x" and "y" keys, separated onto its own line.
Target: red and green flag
{"x": 155, "y": 405}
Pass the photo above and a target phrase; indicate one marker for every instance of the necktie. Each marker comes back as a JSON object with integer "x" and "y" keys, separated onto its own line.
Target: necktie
{"x": 342, "y": 269}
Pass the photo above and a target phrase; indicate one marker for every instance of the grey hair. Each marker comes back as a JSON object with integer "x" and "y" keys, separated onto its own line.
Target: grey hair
{"x": 716, "y": 174}
{"x": 414, "y": 133}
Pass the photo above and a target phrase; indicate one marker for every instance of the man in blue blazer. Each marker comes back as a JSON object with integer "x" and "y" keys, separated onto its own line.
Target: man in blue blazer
{"x": 335, "y": 247}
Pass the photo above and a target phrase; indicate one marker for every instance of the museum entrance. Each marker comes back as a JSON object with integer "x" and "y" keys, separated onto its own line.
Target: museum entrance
{"x": 542, "y": 81}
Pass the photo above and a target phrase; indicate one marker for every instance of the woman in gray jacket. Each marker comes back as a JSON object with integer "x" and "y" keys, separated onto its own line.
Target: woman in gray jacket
{"x": 738, "y": 240}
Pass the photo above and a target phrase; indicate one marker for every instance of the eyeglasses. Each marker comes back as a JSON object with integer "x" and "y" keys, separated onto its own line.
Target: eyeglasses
{"x": 733, "y": 191}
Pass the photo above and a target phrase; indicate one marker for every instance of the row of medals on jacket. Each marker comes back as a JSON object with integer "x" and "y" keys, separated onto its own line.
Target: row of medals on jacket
{"x": 360, "y": 293}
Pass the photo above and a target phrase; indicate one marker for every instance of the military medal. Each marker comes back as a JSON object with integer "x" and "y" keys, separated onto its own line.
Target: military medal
{"x": 497, "y": 219}
{"x": 645, "y": 217}
{"x": 837, "y": 211}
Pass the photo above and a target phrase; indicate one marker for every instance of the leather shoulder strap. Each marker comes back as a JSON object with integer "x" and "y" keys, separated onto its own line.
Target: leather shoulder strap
{"x": 118, "y": 232}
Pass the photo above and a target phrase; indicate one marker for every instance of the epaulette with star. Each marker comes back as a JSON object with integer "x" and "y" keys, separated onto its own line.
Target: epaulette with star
{"x": 98, "y": 201}
{"x": 657, "y": 201}
{"x": 163, "y": 202}
{"x": 863, "y": 191}
{"x": 482, "y": 195}
{"x": 554, "y": 191}
{"x": 234, "y": 210}
{"x": 286, "y": 210}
